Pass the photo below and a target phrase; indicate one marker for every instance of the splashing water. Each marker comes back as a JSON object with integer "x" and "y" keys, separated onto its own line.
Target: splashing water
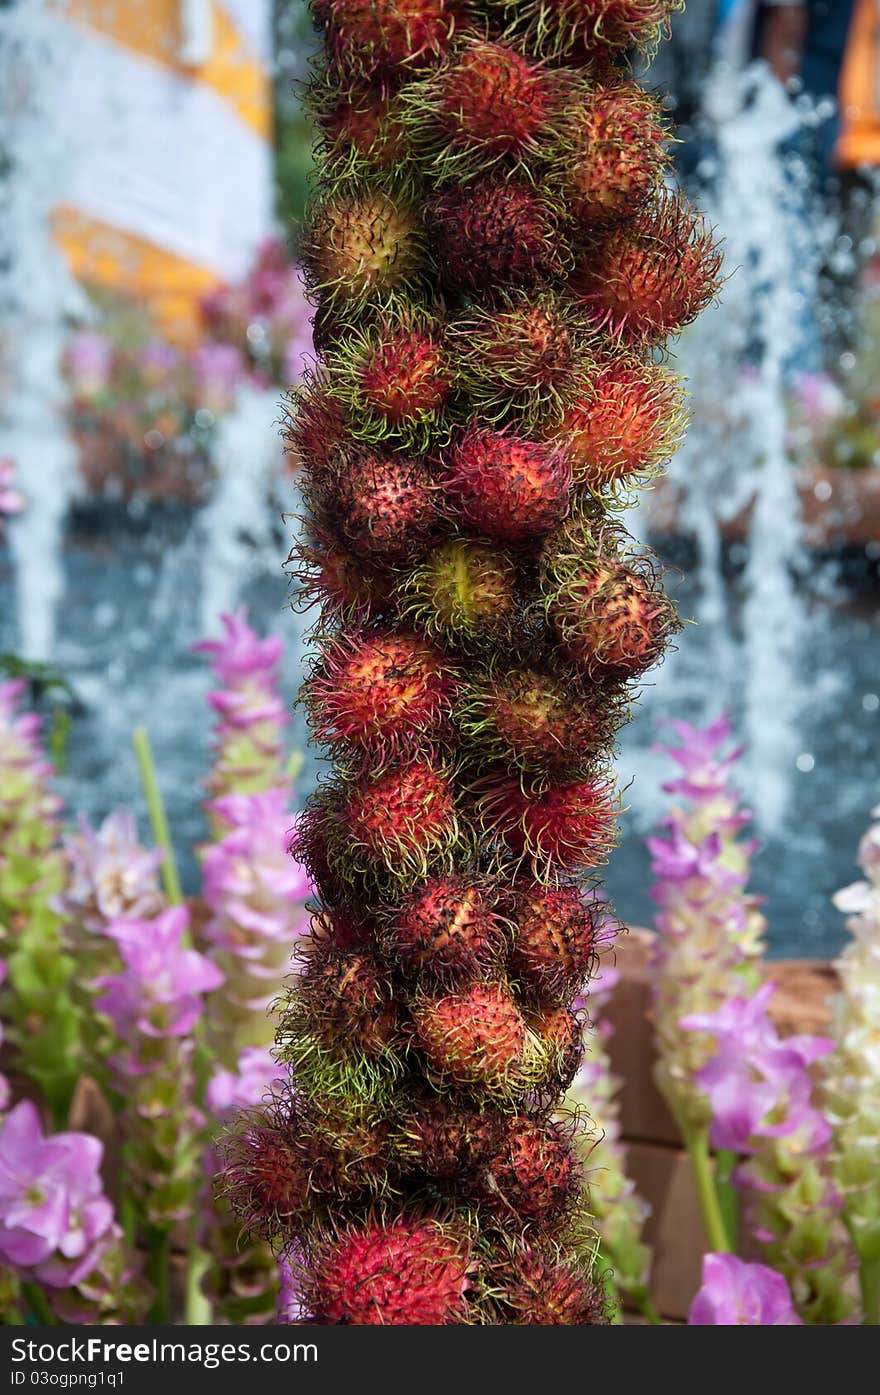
{"x": 36, "y": 292}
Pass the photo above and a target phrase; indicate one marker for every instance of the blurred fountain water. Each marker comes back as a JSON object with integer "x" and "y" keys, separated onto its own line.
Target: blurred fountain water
{"x": 36, "y": 293}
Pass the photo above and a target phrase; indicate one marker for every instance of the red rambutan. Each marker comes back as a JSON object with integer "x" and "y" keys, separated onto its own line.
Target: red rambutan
{"x": 394, "y": 377}
{"x": 463, "y": 593}
{"x": 560, "y": 1033}
{"x": 448, "y": 928}
{"x": 363, "y": 127}
{"x": 392, "y": 1274}
{"x": 569, "y": 825}
{"x": 315, "y": 429}
{"x": 346, "y": 587}
{"x": 488, "y": 102}
{"x": 374, "y": 35}
{"x": 517, "y": 356}
{"x": 613, "y": 154}
{"x": 625, "y": 419}
{"x": 379, "y": 692}
{"x": 506, "y": 486}
{"x": 532, "y": 719}
{"x": 266, "y": 1177}
{"x": 555, "y": 939}
{"x": 494, "y": 232}
{"x": 654, "y": 276}
{"x": 534, "y": 1174}
{"x": 361, "y": 243}
{"x": 449, "y": 1142}
{"x": 476, "y": 1037}
{"x": 385, "y": 506}
{"x": 614, "y": 621}
{"x": 400, "y": 820}
{"x": 588, "y": 28}
{"x": 344, "y": 999}
{"x": 538, "y": 1288}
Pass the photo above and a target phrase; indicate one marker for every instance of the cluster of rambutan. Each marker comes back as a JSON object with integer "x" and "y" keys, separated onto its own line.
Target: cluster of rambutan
{"x": 495, "y": 264}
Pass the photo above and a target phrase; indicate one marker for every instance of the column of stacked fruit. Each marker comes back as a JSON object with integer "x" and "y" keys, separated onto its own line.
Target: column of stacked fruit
{"x": 495, "y": 266}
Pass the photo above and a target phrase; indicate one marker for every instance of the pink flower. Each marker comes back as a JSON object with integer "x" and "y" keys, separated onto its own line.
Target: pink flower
{"x": 735, "y": 1294}
{"x": 230, "y": 1091}
{"x": 10, "y": 500}
{"x": 705, "y": 772}
{"x": 111, "y": 875}
{"x": 89, "y": 363}
{"x": 218, "y": 369}
{"x": 158, "y": 363}
{"x": 4, "y": 1083}
{"x": 159, "y": 994}
{"x": 250, "y": 880}
{"x": 241, "y": 654}
{"x": 53, "y": 1211}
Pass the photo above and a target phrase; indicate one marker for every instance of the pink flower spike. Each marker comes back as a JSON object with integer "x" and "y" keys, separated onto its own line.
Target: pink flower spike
{"x": 734, "y": 1293}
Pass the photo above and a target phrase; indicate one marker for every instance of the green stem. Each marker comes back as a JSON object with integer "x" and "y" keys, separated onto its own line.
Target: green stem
{"x": 869, "y": 1283}
{"x": 697, "y": 1144}
{"x": 726, "y": 1162}
{"x": 646, "y": 1307}
{"x": 158, "y": 1270}
{"x": 198, "y": 1310}
{"x": 158, "y": 820}
{"x": 611, "y": 1292}
{"x": 36, "y": 1301}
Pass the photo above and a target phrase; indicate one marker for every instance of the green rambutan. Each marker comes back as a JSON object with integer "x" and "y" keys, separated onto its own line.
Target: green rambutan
{"x": 369, "y": 36}
{"x": 395, "y": 378}
{"x": 624, "y": 419}
{"x": 612, "y": 154}
{"x": 449, "y": 929}
{"x": 403, "y": 1272}
{"x": 493, "y": 233}
{"x": 654, "y": 276}
{"x": 379, "y": 693}
{"x": 464, "y": 593}
{"x": 516, "y": 357}
{"x": 488, "y": 102}
{"x": 533, "y": 719}
{"x": 568, "y": 824}
{"x": 361, "y": 244}
{"x": 534, "y": 1174}
{"x": 554, "y": 944}
{"x": 611, "y": 616}
{"x": 474, "y": 1038}
{"x": 399, "y": 822}
{"x": 385, "y": 506}
{"x": 507, "y": 486}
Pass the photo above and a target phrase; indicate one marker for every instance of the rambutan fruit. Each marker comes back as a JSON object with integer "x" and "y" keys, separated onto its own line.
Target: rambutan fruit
{"x": 534, "y": 1174}
{"x": 474, "y": 1038}
{"x": 624, "y": 418}
{"x": 464, "y": 593}
{"x": 385, "y": 506}
{"x": 346, "y": 587}
{"x": 507, "y": 486}
{"x": 516, "y": 357}
{"x": 448, "y": 929}
{"x": 404, "y": 1272}
{"x": 532, "y": 718}
{"x": 494, "y": 233}
{"x": 448, "y": 1141}
{"x": 568, "y": 824}
{"x": 369, "y": 36}
{"x": 266, "y": 1176}
{"x": 488, "y": 102}
{"x": 611, "y": 617}
{"x": 395, "y": 378}
{"x": 588, "y": 29}
{"x": 612, "y": 154}
{"x": 347, "y": 1156}
{"x": 315, "y": 428}
{"x": 344, "y": 999}
{"x": 363, "y": 129}
{"x": 361, "y": 243}
{"x": 555, "y": 939}
{"x": 538, "y": 1287}
{"x": 379, "y": 692}
{"x": 655, "y": 275}
{"x": 559, "y": 1031}
{"x": 400, "y": 821}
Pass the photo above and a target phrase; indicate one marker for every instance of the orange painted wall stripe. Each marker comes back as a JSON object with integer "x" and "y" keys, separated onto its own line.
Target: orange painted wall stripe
{"x": 151, "y": 29}
{"x": 169, "y": 286}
